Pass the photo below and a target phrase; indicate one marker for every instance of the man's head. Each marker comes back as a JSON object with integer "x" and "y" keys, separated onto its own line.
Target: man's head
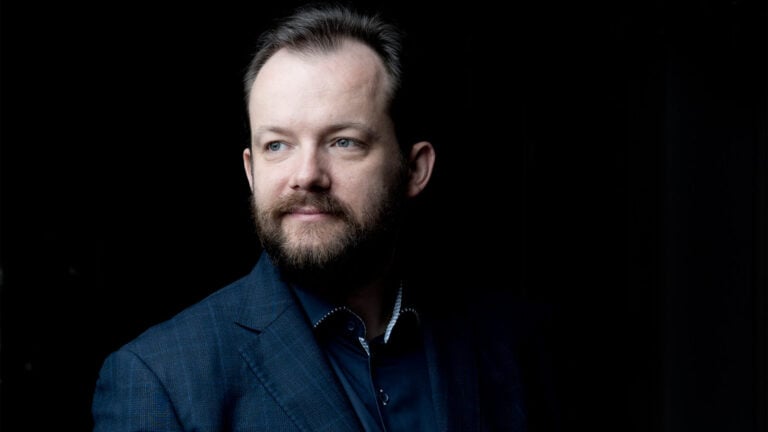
{"x": 326, "y": 170}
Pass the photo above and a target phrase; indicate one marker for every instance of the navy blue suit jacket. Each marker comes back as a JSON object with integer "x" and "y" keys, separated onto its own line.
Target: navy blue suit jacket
{"x": 245, "y": 359}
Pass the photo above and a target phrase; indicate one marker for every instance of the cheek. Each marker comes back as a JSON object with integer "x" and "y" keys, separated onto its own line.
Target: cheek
{"x": 267, "y": 184}
{"x": 363, "y": 192}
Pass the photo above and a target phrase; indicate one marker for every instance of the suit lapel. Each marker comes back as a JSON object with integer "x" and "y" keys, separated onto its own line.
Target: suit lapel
{"x": 285, "y": 357}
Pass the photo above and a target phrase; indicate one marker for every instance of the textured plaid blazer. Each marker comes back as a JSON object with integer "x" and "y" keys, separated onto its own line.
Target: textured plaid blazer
{"x": 245, "y": 359}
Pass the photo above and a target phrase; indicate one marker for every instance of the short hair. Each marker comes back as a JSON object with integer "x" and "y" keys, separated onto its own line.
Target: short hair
{"x": 322, "y": 28}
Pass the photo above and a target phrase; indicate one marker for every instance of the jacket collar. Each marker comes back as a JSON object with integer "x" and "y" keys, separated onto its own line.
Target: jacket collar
{"x": 285, "y": 357}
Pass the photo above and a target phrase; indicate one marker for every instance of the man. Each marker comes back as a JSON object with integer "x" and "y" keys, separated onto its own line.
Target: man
{"x": 325, "y": 334}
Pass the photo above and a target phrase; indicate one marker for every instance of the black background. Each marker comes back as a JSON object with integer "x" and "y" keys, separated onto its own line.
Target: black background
{"x": 607, "y": 159}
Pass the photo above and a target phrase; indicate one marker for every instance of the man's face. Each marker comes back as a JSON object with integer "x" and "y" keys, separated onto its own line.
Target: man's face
{"x": 324, "y": 165}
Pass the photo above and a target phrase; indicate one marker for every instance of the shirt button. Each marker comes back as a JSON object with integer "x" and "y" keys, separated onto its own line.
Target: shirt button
{"x": 351, "y": 326}
{"x": 383, "y": 397}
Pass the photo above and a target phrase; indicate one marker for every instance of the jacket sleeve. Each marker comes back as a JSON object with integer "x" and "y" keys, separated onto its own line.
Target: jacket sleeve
{"x": 129, "y": 397}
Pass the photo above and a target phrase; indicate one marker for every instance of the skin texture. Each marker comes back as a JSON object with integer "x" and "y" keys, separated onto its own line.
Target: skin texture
{"x": 324, "y": 165}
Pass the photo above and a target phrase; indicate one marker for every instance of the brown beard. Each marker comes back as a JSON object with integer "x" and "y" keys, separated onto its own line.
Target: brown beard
{"x": 354, "y": 257}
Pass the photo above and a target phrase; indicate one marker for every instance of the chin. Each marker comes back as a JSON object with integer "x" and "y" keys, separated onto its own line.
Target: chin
{"x": 313, "y": 242}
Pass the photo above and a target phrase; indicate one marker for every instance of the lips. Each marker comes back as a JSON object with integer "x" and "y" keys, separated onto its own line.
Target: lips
{"x": 308, "y": 214}
{"x": 308, "y": 206}
{"x": 306, "y": 211}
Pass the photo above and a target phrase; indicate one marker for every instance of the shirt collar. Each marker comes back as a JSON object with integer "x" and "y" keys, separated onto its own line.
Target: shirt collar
{"x": 319, "y": 309}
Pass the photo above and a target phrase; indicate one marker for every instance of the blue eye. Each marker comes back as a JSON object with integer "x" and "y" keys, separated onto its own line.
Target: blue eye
{"x": 275, "y": 146}
{"x": 344, "y": 142}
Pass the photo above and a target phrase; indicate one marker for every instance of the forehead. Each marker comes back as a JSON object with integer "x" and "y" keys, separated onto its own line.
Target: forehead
{"x": 348, "y": 80}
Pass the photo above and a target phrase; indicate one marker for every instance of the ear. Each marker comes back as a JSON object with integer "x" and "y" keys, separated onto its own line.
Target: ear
{"x": 248, "y": 165}
{"x": 420, "y": 164}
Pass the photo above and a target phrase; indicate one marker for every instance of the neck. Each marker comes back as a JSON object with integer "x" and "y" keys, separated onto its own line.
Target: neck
{"x": 373, "y": 304}
{"x": 368, "y": 290}
{"x": 372, "y": 300}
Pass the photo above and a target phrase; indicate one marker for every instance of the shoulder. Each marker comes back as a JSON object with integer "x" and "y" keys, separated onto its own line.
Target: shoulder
{"x": 213, "y": 321}
{"x": 195, "y": 323}
{"x": 521, "y": 332}
{"x": 514, "y": 342}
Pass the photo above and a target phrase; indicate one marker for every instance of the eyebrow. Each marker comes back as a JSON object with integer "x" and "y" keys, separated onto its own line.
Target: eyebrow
{"x": 367, "y": 131}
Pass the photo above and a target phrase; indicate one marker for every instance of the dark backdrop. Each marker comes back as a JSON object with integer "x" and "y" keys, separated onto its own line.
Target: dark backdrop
{"x": 607, "y": 160}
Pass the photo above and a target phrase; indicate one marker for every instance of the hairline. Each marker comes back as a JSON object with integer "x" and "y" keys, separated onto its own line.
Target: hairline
{"x": 317, "y": 50}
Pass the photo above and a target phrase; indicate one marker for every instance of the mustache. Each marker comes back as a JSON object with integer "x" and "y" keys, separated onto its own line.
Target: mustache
{"x": 324, "y": 202}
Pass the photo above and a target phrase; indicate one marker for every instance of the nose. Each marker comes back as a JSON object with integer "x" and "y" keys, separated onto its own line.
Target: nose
{"x": 311, "y": 171}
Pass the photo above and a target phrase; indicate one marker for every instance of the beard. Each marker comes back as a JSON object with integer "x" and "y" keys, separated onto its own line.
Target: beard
{"x": 332, "y": 256}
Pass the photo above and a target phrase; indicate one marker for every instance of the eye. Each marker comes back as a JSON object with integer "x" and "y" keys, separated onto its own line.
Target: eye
{"x": 345, "y": 143}
{"x": 275, "y": 146}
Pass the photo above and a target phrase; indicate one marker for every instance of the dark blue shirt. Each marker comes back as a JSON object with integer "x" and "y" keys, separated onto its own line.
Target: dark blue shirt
{"x": 386, "y": 378}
